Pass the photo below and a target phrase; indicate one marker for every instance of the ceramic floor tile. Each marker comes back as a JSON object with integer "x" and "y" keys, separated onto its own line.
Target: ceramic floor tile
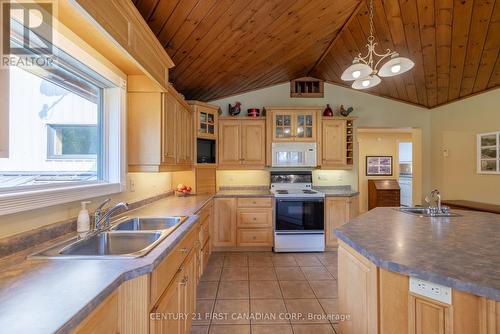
{"x": 207, "y": 290}
{"x": 265, "y": 289}
{"x": 231, "y": 312}
{"x": 316, "y": 273}
{"x": 309, "y": 309}
{"x": 211, "y": 274}
{"x": 229, "y": 329}
{"x": 268, "y": 311}
{"x": 215, "y": 260}
{"x": 234, "y": 274}
{"x": 324, "y": 289}
{"x": 333, "y": 269}
{"x": 204, "y": 307}
{"x": 336, "y": 328}
{"x": 260, "y": 261}
{"x": 313, "y": 329}
{"x": 289, "y": 274}
{"x": 284, "y": 261}
{"x": 236, "y": 261}
{"x": 331, "y": 308}
{"x": 307, "y": 260}
{"x": 233, "y": 290}
{"x": 199, "y": 329}
{"x": 328, "y": 258}
{"x": 262, "y": 274}
{"x": 272, "y": 329}
{"x": 296, "y": 289}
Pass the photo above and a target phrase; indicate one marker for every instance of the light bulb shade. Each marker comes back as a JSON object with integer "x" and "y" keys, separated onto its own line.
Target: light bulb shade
{"x": 395, "y": 66}
{"x": 366, "y": 82}
{"x": 356, "y": 71}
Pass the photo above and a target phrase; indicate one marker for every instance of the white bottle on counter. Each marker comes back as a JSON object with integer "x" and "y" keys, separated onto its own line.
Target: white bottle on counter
{"x": 83, "y": 221}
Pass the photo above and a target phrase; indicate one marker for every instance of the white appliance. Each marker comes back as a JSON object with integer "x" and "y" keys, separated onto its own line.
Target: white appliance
{"x": 299, "y": 213}
{"x": 405, "y": 183}
{"x": 294, "y": 155}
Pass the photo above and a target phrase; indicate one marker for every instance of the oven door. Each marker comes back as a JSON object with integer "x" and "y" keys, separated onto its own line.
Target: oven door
{"x": 299, "y": 214}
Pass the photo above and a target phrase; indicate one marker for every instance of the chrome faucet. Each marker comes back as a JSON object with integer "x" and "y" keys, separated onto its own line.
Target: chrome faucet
{"x": 435, "y": 197}
{"x": 102, "y": 220}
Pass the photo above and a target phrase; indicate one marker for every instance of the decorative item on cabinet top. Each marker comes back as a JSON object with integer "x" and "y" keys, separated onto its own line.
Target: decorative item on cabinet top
{"x": 234, "y": 110}
{"x": 328, "y": 112}
{"x": 345, "y": 112}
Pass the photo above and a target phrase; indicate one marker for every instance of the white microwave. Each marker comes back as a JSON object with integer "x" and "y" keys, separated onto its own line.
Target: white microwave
{"x": 294, "y": 155}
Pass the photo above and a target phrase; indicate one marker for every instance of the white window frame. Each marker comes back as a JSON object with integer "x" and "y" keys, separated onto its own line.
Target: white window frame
{"x": 479, "y": 159}
{"x": 18, "y": 199}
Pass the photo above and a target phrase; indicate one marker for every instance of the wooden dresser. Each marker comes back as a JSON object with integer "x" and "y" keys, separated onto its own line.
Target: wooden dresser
{"x": 383, "y": 193}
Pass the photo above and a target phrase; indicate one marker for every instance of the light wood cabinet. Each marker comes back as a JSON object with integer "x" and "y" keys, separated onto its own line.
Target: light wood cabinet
{"x": 427, "y": 316}
{"x": 293, "y": 124}
{"x": 338, "y": 211}
{"x": 337, "y": 143}
{"x": 241, "y": 143}
{"x": 104, "y": 319}
{"x": 160, "y": 128}
{"x": 357, "y": 286}
{"x": 206, "y": 119}
{"x": 223, "y": 232}
{"x": 243, "y": 222}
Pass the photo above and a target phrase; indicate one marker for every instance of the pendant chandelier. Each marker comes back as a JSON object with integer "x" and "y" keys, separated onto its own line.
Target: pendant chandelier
{"x": 364, "y": 70}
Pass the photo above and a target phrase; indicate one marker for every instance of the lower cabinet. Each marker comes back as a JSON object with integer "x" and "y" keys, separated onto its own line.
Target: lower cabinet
{"x": 338, "y": 211}
{"x": 379, "y": 301}
{"x": 243, "y": 222}
{"x": 104, "y": 319}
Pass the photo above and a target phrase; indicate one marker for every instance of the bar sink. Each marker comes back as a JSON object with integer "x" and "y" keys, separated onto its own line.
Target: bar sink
{"x": 426, "y": 212}
{"x": 148, "y": 224}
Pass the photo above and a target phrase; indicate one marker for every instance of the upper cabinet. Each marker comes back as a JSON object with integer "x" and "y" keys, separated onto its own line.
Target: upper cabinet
{"x": 160, "y": 128}
{"x": 206, "y": 119}
{"x": 337, "y": 143}
{"x": 293, "y": 124}
{"x": 242, "y": 143}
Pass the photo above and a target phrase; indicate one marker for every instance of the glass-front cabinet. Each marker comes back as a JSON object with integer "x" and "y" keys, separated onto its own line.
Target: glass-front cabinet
{"x": 294, "y": 124}
{"x": 206, "y": 120}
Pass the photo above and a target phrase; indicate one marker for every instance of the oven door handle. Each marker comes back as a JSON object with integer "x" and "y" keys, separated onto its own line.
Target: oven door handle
{"x": 300, "y": 233}
{"x": 301, "y": 199}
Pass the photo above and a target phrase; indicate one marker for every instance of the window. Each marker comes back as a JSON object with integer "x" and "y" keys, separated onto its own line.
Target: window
{"x": 65, "y": 130}
{"x": 488, "y": 153}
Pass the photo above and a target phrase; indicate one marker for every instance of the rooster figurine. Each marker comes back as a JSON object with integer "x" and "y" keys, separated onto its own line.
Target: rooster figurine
{"x": 233, "y": 111}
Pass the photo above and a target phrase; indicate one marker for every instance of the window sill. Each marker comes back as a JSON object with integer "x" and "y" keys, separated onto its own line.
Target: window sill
{"x": 36, "y": 199}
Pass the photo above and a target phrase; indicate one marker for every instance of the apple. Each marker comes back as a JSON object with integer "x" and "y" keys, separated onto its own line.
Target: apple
{"x": 184, "y": 191}
{"x": 180, "y": 186}
{"x": 189, "y": 189}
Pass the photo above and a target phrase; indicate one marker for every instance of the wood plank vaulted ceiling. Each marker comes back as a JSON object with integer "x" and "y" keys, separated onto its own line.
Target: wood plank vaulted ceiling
{"x": 225, "y": 47}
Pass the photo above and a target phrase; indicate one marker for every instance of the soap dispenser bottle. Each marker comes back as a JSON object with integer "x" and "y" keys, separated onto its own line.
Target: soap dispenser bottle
{"x": 83, "y": 221}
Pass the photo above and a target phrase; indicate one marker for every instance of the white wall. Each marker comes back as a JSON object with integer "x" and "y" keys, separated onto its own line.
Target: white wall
{"x": 373, "y": 112}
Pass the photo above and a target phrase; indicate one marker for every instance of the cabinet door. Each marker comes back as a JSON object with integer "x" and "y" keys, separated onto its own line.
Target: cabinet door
{"x": 224, "y": 223}
{"x": 169, "y": 136}
{"x": 253, "y": 143}
{"x": 189, "y": 137}
{"x": 190, "y": 270}
{"x": 283, "y": 126}
{"x": 333, "y": 143}
{"x": 337, "y": 214}
{"x": 171, "y": 304}
{"x": 229, "y": 143}
{"x": 427, "y": 316}
{"x": 305, "y": 126}
{"x": 183, "y": 134}
{"x": 206, "y": 122}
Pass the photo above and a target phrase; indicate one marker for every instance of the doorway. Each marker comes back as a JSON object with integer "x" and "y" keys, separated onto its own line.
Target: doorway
{"x": 406, "y": 173}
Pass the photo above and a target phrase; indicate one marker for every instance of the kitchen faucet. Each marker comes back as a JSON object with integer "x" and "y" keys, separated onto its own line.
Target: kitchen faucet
{"x": 102, "y": 221}
{"x": 435, "y": 197}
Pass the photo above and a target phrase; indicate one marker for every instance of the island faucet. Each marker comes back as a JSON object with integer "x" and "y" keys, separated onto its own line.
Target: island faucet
{"x": 435, "y": 197}
{"x": 102, "y": 221}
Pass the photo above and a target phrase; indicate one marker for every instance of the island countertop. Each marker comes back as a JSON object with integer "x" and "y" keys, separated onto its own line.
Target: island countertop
{"x": 460, "y": 252}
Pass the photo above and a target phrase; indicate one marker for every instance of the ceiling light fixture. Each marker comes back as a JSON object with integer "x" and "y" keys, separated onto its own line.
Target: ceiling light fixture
{"x": 363, "y": 71}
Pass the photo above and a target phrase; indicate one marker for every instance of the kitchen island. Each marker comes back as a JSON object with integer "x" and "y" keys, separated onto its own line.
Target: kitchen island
{"x": 382, "y": 251}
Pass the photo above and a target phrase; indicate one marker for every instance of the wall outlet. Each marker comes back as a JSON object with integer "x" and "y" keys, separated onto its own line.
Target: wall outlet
{"x": 131, "y": 185}
{"x": 430, "y": 290}
{"x": 322, "y": 177}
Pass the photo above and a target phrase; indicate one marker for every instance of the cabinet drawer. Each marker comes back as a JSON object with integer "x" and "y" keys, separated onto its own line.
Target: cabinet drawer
{"x": 164, "y": 273}
{"x": 255, "y": 237}
{"x": 250, "y": 202}
{"x": 254, "y": 218}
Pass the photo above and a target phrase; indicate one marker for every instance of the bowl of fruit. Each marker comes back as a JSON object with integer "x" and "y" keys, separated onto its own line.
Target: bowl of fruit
{"x": 182, "y": 190}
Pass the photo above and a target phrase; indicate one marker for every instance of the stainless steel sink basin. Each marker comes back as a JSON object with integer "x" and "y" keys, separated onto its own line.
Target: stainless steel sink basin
{"x": 149, "y": 224}
{"x": 112, "y": 244}
{"x": 426, "y": 212}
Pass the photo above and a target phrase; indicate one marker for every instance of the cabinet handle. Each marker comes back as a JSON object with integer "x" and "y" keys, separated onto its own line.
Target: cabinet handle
{"x": 254, "y": 218}
{"x": 184, "y": 280}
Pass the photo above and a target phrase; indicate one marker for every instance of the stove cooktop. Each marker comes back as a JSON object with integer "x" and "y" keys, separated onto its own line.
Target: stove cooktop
{"x": 297, "y": 193}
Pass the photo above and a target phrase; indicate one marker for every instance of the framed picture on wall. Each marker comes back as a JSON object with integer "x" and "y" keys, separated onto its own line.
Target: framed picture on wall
{"x": 488, "y": 153}
{"x": 379, "y": 166}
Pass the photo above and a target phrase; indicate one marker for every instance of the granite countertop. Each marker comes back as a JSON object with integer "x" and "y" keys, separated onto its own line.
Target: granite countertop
{"x": 53, "y": 296}
{"x": 459, "y": 252}
{"x": 337, "y": 191}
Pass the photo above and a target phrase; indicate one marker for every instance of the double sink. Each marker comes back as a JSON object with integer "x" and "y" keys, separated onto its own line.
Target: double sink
{"x": 126, "y": 238}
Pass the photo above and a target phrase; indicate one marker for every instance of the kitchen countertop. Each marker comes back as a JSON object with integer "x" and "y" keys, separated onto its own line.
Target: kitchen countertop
{"x": 459, "y": 252}
{"x": 337, "y": 191}
{"x": 54, "y": 296}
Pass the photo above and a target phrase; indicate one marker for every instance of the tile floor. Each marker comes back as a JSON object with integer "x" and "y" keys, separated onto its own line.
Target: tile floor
{"x": 268, "y": 293}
